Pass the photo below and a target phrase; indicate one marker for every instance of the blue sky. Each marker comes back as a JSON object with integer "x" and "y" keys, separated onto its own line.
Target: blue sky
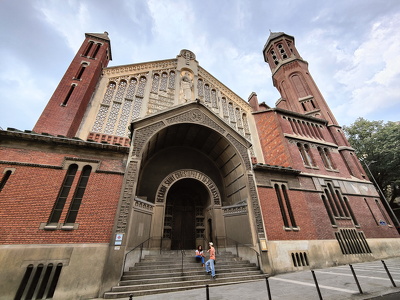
{"x": 352, "y": 47}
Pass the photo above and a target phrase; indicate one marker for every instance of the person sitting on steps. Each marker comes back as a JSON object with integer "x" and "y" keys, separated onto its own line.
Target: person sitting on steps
{"x": 200, "y": 255}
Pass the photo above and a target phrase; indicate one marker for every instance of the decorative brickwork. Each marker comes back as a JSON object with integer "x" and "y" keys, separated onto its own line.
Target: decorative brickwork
{"x": 127, "y": 196}
{"x": 179, "y": 174}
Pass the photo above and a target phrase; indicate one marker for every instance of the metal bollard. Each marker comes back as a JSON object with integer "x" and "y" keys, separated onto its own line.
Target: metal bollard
{"x": 355, "y": 278}
{"x": 207, "y": 293}
{"x": 268, "y": 289}
{"x": 387, "y": 271}
{"x": 316, "y": 284}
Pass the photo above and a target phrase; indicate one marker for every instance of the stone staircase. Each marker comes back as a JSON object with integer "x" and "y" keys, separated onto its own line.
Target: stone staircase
{"x": 163, "y": 273}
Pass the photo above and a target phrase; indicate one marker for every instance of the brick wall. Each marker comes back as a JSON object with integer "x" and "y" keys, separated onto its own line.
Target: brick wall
{"x": 271, "y": 139}
{"x": 28, "y": 197}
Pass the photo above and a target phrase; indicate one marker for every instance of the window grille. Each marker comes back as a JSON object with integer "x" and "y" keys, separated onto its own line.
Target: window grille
{"x": 300, "y": 259}
{"x": 39, "y": 282}
{"x": 171, "y": 83}
{"x": 352, "y": 241}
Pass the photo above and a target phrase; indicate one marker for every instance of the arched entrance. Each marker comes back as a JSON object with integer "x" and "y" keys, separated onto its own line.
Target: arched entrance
{"x": 184, "y": 213}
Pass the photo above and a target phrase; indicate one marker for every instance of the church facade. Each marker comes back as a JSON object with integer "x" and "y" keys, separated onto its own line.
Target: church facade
{"x": 161, "y": 156}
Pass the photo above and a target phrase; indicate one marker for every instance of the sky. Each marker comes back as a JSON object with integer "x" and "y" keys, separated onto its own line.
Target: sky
{"x": 352, "y": 47}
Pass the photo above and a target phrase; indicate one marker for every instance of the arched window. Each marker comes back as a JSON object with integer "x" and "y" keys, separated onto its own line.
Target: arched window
{"x": 120, "y": 91}
{"x": 131, "y": 89}
{"x": 81, "y": 70}
{"x": 207, "y": 93}
{"x": 200, "y": 87}
{"x": 96, "y": 50}
{"x": 63, "y": 194}
{"x": 328, "y": 210}
{"x": 88, "y": 48}
{"x": 109, "y": 92}
{"x": 71, "y": 89}
{"x": 214, "y": 98}
{"x": 288, "y": 206}
{"x": 141, "y": 87}
{"x": 281, "y": 205}
{"x": 285, "y": 206}
{"x": 164, "y": 80}
{"x": 171, "y": 83}
{"x": 300, "y": 85}
{"x": 154, "y": 86}
{"x": 3, "y": 181}
{"x": 79, "y": 192}
{"x": 309, "y": 155}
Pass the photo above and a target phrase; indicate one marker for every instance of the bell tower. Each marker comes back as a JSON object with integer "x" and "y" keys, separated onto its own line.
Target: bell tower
{"x": 66, "y": 108}
{"x": 291, "y": 77}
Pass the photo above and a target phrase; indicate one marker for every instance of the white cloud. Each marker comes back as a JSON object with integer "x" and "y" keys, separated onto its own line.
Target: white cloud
{"x": 70, "y": 18}
{"x": 373, "y": 72}
{"x": 20, "y": 90}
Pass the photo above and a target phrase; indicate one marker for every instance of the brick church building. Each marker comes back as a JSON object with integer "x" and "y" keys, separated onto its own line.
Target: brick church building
{"x": 161, "y": 156}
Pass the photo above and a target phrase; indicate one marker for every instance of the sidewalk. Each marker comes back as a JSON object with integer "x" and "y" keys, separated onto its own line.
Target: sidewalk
{"x": 334, "y": 283}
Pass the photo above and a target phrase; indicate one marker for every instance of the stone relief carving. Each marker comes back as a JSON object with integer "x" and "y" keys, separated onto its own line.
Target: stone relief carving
{"x": 142, "y": 135}
{"x": 235, "y": 210}
{"x": 254, "y": 202}
{"x": 196, "y": 116}
{"x": 186, "y": 87}
{"x": 144, "y": 206}
{"x": 188, "y": 55}
{"x": 187, "y": 173}
{"x": 130, "y": 179}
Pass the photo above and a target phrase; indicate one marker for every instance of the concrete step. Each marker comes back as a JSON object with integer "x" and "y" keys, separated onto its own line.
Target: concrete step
{"x": 168, "y": 272}
{"x": 164, "y": 273}
{"x": 178, "y": 265}
{"x": 125, "y": 292}
{"x": 184, "y": 277}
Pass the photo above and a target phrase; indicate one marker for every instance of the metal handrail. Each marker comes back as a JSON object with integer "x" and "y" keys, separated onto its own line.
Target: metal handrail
{"x": 240, "y": 244}
{"x": 141, "y": 251}
{"x": 183, "y": 254}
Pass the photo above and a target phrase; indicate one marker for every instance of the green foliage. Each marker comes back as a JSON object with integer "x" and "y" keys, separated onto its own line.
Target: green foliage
{"x": 377, "y": 144}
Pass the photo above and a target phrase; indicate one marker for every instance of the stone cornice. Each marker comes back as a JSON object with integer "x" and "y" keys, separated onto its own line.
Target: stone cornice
{"x": 19, "y": 136}
{"x": 292, "y": 113}
{"x": 266, "y": 167}
{"x": 140, "y": 67}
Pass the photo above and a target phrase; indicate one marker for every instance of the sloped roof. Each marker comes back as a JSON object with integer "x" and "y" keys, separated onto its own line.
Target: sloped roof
{"x": 274, "y": 35}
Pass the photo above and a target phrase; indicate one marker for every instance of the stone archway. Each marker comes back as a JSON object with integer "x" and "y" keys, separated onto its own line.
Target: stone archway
{"x": 189, "y": 199}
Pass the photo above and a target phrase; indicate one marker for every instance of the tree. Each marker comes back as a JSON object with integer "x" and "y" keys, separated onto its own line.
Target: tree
{"x": 377, "y": 144}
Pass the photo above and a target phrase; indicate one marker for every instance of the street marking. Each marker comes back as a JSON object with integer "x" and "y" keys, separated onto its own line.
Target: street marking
{"x": 370, "y": 277}
{"x": 313, "y": 285}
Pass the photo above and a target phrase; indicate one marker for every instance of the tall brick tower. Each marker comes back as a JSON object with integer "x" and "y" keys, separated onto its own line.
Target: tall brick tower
{"x": 300, "y": 94}
{"x": 291, "y": 77}
{"x": 66, "y": 108}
